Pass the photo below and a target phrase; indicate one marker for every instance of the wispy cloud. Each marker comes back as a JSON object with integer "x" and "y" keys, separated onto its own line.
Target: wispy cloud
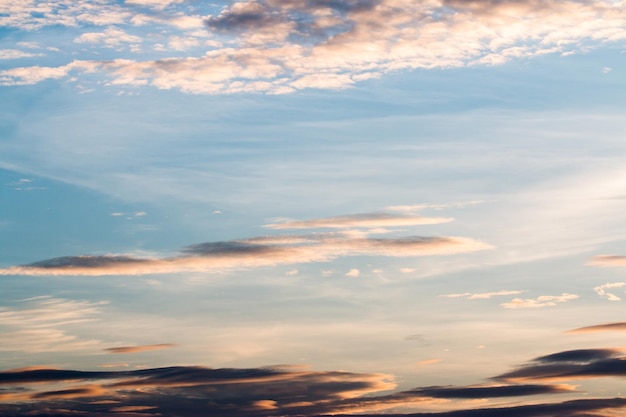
{"x": 619, "y": 326}
{"x": 137, "y": 349}
{"x": 40, "y": 325}
{"x": 541, "y": 301}
{"x": 601, "y": 290}
{"x": 484, "y": 295}
{"x": 367, "y": 220}
{"x": 608, "y": 260}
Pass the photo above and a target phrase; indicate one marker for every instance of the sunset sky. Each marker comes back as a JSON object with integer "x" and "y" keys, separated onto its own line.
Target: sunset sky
{"x": 313, "y": 207}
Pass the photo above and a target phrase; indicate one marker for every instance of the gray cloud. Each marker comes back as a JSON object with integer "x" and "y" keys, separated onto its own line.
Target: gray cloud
{"x": 571, "y": 365}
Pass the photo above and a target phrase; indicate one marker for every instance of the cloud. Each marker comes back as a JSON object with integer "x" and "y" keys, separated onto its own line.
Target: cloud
{"x": 278, "y": 47}
{"x": 368, "y": 220}
{"x": 255, "y": 252}
{"x": 111, "y": 38}
{"x": 601, "y": 290}
{"x": 608, "y": 261}
{"x": 183, "y": 390}
{"x": 620, "y": 326}
{"x": 15, "y": 54}
{"x": 353, "y": 273}
{"x": 220, "y": 256}
{"x": 136, "y": 349}
{"x": 571, "y": 365}
{"x": 541, "y": 301}
{"x": 484, "y": 295}
{"x": 40, "y": 325}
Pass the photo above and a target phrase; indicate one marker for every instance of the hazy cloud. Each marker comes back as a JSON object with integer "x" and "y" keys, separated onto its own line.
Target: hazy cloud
{"x": 367, "y": 220}
{"x": 484, "y": 295}
{"x": 608, "y": 260}
{"x": 40, "y": 324}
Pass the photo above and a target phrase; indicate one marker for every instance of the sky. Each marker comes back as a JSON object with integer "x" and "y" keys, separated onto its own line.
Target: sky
{"x": 313, "y": 207}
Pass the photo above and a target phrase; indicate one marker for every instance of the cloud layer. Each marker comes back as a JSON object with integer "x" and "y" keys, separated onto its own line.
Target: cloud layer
{"x": 195, "y": 391}
{"x": 283, "y": 46}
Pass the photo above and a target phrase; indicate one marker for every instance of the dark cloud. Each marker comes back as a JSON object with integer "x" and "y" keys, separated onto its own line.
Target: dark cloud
{"x": 489, "y": 391}
{"x": 199, "y": 391}
{"x": 579, "y": 355}
{"x": 245, "y": 16}
{"x": 569, "y": 365}
{"x": 301, "y": 18}
{"x": 86, "y": 261}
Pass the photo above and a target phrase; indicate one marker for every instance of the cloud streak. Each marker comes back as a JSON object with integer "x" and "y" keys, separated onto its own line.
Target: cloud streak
{"x": 570, "y": 365}
{"x": 255, "y": 252}
{"x": 137, "y": 349}
{"x": 368, "y": 220}
{"x": 619, "y": 326}
{"x": 484, "y": 295}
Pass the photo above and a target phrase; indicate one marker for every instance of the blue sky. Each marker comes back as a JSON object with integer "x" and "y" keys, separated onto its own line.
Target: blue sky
{"x": 312, "y": 207}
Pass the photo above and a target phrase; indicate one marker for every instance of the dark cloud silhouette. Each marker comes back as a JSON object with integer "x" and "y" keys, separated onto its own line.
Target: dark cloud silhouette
{"x": 489, "y": 391}
{"x": 198, "y": 391}
{"x": 569, "y": 365}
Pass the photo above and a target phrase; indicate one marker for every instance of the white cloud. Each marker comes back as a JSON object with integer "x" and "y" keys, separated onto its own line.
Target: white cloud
{"x": 15, "y": 54}
{"x": 482, "y": 296}
{"x": 111, "y": 37}
{"x": 353, "y": 273}
{"x": 541, "y": 301}
{"x": 601, "y": 290}
{"x": 39, "y": 326}
{"x": 280, "y": 47}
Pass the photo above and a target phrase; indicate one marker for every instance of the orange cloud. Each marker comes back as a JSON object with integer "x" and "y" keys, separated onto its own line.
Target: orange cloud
{"x": 257, "y": 252}
{"x": 369, "y": 220}
{"x": 608, "y": 261}
{"x": 619, "y": 326}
